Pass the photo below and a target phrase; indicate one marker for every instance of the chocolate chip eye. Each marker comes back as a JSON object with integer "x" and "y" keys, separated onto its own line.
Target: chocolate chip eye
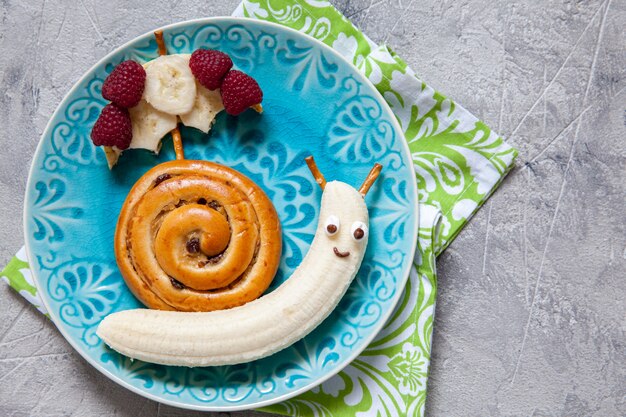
{"x": 332, "y": 225}
{"x": 359, "y": 230}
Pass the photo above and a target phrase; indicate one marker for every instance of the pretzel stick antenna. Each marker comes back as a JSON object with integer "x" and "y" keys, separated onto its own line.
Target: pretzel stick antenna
{"x": 370, "y": 179}
{"x": 319, "y": 178}
{"x": 176, "y": 138}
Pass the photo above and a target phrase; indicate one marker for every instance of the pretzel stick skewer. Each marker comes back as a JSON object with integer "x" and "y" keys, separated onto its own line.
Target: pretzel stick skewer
{"x": 178, "y": 141}
{"x": 159, "y": 40}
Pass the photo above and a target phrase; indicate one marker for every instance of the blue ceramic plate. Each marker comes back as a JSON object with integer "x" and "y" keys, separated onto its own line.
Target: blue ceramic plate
{"x": 315, "y": 103}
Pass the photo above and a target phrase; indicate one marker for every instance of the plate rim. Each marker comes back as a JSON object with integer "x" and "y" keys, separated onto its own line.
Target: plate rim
{"x": 405, "y": 273}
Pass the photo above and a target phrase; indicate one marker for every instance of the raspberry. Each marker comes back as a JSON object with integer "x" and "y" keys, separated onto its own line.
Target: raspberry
{"x": 239, "y": 91}
{"x": 113, "y": 128}
{"x": 209, "y": 67}
{"x": 124, "y": 86}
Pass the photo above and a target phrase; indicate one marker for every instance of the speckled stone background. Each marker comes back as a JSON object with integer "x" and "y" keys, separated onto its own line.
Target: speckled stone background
{"x": 531, "y": 318}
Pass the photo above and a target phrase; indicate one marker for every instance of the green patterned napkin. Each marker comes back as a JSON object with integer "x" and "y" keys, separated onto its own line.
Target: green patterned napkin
{"x": 458, "y": 162}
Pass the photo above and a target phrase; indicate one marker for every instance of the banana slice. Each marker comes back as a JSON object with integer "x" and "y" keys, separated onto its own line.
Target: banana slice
{"x": 149, "y": 126}
{"x": 170, "y": 85}
{"x": 206, "y": 106}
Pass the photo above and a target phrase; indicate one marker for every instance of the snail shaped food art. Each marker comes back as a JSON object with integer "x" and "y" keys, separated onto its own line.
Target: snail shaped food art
{"x": 199, "y": 243}
{"x": 268, "y": 324}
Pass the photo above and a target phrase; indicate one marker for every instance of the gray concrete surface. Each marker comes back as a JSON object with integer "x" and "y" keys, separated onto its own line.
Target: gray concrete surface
{"x": 531, "y": 315}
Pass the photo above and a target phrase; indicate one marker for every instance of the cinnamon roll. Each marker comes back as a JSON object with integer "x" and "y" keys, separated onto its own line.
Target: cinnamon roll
{"x": 197, "y": 236}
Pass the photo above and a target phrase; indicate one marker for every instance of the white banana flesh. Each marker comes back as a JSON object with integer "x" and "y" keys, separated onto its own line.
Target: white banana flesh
{"x": 170, "y": 85}
{"x": 206, "y": 106}
{"x": 266, "y": 325}
{"x": 149, "y": 126}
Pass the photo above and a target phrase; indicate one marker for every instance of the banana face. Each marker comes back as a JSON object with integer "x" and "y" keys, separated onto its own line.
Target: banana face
{"x": 340, "y": 217}
{"x": 268, "y": 324}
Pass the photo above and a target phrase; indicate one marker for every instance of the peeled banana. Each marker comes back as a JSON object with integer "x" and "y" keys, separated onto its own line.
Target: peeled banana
{"x": 264, "y": 326}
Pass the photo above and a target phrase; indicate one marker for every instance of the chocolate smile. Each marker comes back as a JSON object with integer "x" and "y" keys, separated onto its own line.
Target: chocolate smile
{"x": 340, "y": 254}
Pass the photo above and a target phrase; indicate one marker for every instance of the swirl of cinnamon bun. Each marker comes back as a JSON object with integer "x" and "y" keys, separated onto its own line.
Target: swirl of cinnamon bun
{"x": 197, "y": 236}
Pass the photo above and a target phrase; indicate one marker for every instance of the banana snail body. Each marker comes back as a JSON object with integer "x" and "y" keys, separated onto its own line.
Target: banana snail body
{"x": 270, "y": 323}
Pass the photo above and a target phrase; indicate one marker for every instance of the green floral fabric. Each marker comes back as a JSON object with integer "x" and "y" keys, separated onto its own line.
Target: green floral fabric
{"x": 17, "y": 274}
{"x": 458, "y": 161}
